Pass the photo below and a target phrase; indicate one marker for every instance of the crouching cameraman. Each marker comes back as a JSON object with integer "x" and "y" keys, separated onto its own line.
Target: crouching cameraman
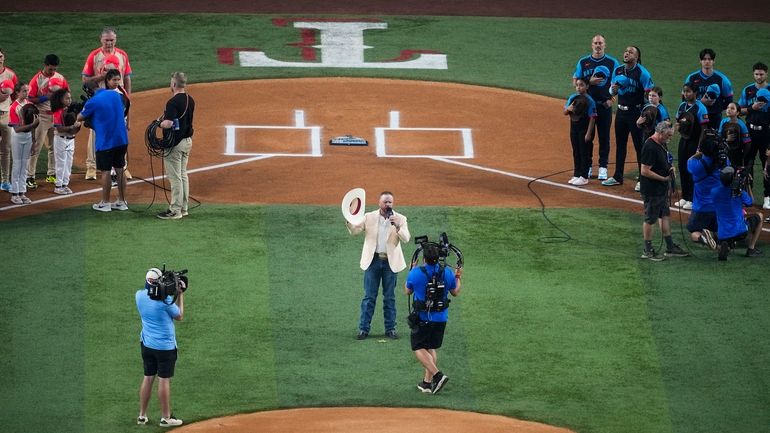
{"x": 430, "y": 283}
{"x": 730, "y": 196}
{"x": 160, "y": 302}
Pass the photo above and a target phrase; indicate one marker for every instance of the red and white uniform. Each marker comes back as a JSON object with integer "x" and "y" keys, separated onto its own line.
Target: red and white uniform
{"x": 63, "y": 151}
{"x": 21, "y": 146}
{"x": 39, "y": 86}
{"x": 6, "y": 74}
{"x": 96, "y": 60}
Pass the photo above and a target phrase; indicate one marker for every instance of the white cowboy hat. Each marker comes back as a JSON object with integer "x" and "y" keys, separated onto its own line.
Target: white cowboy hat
{"x": 353, "y": 206}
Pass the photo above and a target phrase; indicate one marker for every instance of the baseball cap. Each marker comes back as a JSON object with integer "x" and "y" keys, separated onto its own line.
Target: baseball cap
{"x": 620, "y": 80}
{"x": 713, "y": 91}
{"x": 763, "y": 95}
{"x": 152, "y": 275}
{"x": 56, "y": 83}
{"x": 112, "y": 59}
{"x": 6, "y": 87}
{"x": 602, "y": 71}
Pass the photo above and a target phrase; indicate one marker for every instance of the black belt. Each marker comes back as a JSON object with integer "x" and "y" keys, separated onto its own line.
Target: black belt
{"x": 628, "y": 107}
{"x": 381, "y": 256}
{"x": 757, "y": 127}
{"x": 66, "y": 137}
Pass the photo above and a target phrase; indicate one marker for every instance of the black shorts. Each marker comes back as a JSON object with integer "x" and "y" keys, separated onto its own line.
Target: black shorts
{"x": 160, "y": 362}
{"x": 428, "y": 335}
{"x": 702, "y": 220}
{"x": 655, "y": 206}
{"x": 115, "y": 157}
{"x": 753, "y": 222}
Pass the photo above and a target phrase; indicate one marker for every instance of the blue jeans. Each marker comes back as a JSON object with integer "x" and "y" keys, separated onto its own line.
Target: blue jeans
{"x": 379, "y": 270}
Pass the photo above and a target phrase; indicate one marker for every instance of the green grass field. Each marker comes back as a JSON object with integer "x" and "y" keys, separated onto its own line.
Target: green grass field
{"x": 580, "y": 333}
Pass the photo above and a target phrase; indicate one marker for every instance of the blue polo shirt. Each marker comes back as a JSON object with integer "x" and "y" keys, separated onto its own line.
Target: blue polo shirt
{"x": 417, "y": 281}
{"x": 730, "y": 219}
{"x": 157, "y": 321}
{"x": 105, "y": 110}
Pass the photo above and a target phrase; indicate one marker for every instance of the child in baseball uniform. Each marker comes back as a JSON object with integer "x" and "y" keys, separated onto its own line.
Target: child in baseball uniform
{"x": 739, "y": 143}
{"x": 22, "y": 139}
{"x": 64, "y": 139}
{"x": 581, "y": 109}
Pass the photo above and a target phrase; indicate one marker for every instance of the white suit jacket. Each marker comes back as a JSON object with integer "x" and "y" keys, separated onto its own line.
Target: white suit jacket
{"x": 394, "y": 239}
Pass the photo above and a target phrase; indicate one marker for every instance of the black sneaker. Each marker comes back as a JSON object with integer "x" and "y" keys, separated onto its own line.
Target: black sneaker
{"x": 362, "y": 335}
{"x": 424, "y": 386}
{"x": 169, "y": 215}
{"x": 392, "y": 334}
{"x": 651, "y": 255}
{"x": 438, "y": 382}
{"x": 724, "y": 250}
{"x": 753, "y": 252}
{"x": 114, "y": 180}
{"x": 676, "y": 251}
{"x": 31, "y": 183}
{"x": 707, "y": 238}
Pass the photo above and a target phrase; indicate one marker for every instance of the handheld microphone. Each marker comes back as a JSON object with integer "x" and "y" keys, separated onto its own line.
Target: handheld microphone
{"x": 388, "y": 214}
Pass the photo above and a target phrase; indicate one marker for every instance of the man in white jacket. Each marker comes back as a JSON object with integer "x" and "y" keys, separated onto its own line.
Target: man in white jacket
{"x": 381, "y": 260}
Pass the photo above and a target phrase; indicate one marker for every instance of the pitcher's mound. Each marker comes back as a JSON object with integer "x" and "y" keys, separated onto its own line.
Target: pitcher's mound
{"x": 368, "y": 420}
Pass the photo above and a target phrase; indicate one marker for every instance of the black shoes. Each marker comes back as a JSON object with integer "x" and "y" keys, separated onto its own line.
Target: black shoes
{"x": 438, "y": 382}
{"x": 753, "y": 252}
{"x": 362, "y": 335}
{"x": 392, "y": 334}
{"x": 724, "y": 250}
{"x": 424, "y": 386}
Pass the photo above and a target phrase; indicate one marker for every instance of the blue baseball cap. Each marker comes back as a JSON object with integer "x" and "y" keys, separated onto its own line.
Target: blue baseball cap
{"x": 763, "y": 95}
{"x": 602, "y": 72}
{"x": 713, "y": 91}
{"x": 620, "y": 80}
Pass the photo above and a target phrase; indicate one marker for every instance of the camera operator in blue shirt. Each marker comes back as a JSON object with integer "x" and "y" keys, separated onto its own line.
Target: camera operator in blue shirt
{"x": 158, "y": 310}
{"x": 428, "y": 333}
{"x": 730, "y": 196}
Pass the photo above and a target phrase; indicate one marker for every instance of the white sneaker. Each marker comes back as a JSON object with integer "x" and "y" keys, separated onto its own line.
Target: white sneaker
{"x": 15, "y": 199}
{"x": 680, "y": 203}
{"x": 59, "y": 190}
{"x": 766, "y": 204}
{"x": 602, "y": 173}
{"x": 638, "y": 187}
{"x": 25, "y": 199}
{"x": 590, "y": 172}
{"x": 580, "y": 181}
{"x": 687, "y": 205}
{"x": 101, "y": 207}
{"x": 572, "y": 181}
{"x": 119, "y": 205}
{"x": 170, "y": 422}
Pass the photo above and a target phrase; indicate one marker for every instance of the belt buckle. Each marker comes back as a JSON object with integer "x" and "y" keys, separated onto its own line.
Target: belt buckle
{"x": 382, "y": 255}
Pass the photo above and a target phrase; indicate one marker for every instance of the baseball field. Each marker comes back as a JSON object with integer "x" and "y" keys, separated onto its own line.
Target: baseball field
{"x": 560, "y": 327}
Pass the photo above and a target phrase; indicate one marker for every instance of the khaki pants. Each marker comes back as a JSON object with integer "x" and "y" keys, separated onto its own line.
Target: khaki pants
{"x": 5, "y": 148}
{"x": 91, "y": 152}
{"x": 44, "y": 131}
{"x": 176, "y": 170}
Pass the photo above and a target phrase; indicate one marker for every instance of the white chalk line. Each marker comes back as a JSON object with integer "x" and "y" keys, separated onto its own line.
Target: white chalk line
{"x": 134, "y": 182}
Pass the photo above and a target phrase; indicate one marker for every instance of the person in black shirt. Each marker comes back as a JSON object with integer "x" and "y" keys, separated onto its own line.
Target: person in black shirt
{"x": 655, "y": 180}
{"x": 179, "y": 117}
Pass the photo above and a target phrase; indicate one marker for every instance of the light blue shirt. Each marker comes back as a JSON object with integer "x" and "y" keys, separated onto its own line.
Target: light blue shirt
{"x": 157, "y": 321}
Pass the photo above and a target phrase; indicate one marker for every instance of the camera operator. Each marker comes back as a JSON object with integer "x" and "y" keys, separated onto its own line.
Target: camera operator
{"x": 158, "y": 311}
{"x": 730, "y": 196}
{"x": 428, "y": 334}
{"x": 704, "y": 167}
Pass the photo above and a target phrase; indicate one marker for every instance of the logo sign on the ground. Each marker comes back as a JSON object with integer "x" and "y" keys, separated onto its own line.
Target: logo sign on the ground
{"x": 341, "y": 45}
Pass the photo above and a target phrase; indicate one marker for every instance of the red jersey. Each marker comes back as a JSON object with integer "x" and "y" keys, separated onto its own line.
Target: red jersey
{"x": 39, "y": 87}
{"x": 15, "y": 112}
{"x": 95, "y": 63}
{"x": 7, "y": 74}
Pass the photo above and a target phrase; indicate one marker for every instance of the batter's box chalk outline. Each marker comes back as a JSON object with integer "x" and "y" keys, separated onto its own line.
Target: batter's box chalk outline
{"x": 395, "y": 120}
{"x": 299, "y": 124}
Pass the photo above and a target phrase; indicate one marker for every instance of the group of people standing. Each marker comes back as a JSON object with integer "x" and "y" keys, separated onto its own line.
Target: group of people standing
{"x": 54, "y": 121}
{"x": 706, "y": 94}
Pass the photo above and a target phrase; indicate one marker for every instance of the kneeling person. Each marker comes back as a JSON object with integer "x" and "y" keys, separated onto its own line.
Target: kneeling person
{"x": 430, "y": 303}
{"x": 729, "y": 199}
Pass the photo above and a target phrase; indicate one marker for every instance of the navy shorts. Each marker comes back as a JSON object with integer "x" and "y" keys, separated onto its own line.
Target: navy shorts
{"x": 702, "y": 220}
{"x": 428, "y": 335}
{"x": 160, "y": 362}
{"x": 115, "y": 157}
{"x": 655, "y": 206}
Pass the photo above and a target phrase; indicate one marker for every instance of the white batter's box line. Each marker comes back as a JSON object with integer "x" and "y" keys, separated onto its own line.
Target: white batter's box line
{"x": 395, "y": 125}
{"x": 299, "y": 124}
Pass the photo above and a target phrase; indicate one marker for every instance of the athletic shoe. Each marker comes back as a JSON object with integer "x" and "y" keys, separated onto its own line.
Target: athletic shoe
{"x": 66, "y": 188}
{"x": 580, "y": 181}
{"x": 119, "y": 205}
{"x": 50, "y": 179}
{"x": 25, "y": 199}
{"x": 170, "y": 422}
{"x": 687, "y": 205}
{"x": 102, "y": 207}
{"x": 708, "y": 239}
{"x": 611, "y": 182}
{"x": 392, "y": 334}
{"x": 15, "y": 199}
{"x": 676, "y": 251}
{"x": 169, "y": 215}
{"x": 724, "y": 250}
{"x": 31, "y": 183}
{"x": 60, "y": 190}
{"x": 638, "y": 187}
{"x": 424, "y": 386}
{"x": 651, "y": 255}
{"x": 141, "y": 420}
{"x": 184, "y": 213}
{"x": 362, "y": 335}
{"x": 114, "y": 178}
{"x": 5, "y": 186}
{"x": 590, "y": 172}
{"x": 572, "y": 180}
{"x": 680, "y": 203}
{"x": 438, "y": 382}
{"x": 765, "y": 204}
{"x": 91, "y": 173}
{"x": 127, "y": 174}
{"x": 753, "y": 252}
{"x": 602, "y": 173}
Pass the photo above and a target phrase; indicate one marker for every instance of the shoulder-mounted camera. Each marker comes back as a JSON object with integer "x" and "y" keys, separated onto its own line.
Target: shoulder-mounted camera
{"x": 162, "y": 283}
